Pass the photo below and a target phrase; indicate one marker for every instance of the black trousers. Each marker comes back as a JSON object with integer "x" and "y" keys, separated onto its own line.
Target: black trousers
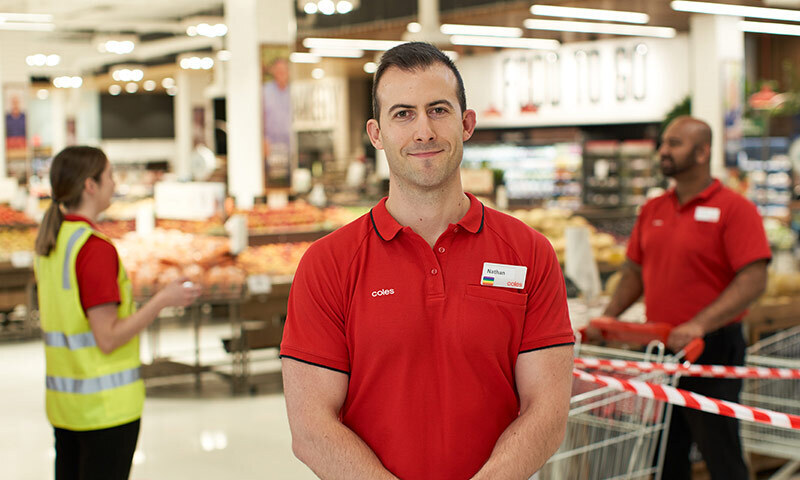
{"x": 96, "y": 454}
{"x": 717, "y": 437}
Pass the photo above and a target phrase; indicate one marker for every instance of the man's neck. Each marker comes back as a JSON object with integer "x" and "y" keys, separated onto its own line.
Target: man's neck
{"x": 688, "y": 188}
{"x": 428, "y": 213}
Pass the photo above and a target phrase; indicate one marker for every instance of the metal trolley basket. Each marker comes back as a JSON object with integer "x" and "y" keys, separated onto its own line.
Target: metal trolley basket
{"x": 781, "y": 350}
{"x": 612, "y": 434}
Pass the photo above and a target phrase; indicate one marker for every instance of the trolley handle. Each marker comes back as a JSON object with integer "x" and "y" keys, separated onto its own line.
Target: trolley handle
{"x": 612, "y": 329}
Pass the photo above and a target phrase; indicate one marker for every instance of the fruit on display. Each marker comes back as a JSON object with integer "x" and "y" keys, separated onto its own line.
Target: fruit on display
{"x": 336, "y": 217}
{"x": 277, "y": 259}
{"x": 782, "y": 284}
{"x": 10, "y": 217}
{"x": 16, "y": 240}
{"x": 116, "y": 228}
{"x": 169, "y": 255}
{"x": 553, "y": 222}
{"x": 295, "y": 216}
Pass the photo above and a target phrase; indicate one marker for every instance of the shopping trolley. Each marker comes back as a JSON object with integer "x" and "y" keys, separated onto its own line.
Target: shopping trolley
{"x": 612, "y": 434}
{"x": 781, "y": 350}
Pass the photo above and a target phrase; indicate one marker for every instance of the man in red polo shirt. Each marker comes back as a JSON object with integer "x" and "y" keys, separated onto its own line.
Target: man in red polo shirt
{"x": 430, "y": 338}
{"x": 699, "y": 254}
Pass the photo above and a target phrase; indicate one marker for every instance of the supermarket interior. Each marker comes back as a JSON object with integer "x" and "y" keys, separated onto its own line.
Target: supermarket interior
{"x": 236, "y": 134}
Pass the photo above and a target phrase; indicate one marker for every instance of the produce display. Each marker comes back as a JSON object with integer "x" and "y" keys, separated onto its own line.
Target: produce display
{"x": 782, "y": 284}
{"x": 553, "y": 222}
{"x": 11, "y": 218}
{"x": 16, "y": 240}
{"x": 169, "y": 255}
{"x": 274, "y": 259}
{"x": 295, "y": 216}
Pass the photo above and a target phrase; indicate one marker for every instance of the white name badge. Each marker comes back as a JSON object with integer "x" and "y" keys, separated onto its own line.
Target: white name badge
{"x": 500, "y": 275}
{"x": 707, "y": 214}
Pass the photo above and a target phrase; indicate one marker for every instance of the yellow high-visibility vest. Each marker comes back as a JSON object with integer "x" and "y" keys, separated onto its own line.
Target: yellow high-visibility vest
{"x": 86, "y": 389}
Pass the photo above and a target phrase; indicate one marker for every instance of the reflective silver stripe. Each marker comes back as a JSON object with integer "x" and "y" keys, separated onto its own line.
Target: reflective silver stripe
{"x": 73, "y": 342}
{"x": 93, "y": 385}
{"x": 70, "y": 245}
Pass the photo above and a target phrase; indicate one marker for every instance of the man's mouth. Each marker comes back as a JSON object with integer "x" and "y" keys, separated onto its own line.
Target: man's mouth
{"x": 426, "y": 154}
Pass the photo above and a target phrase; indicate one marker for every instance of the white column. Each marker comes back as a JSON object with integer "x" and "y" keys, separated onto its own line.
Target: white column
{"x": 715, "y": 40}
{"x": 58, "y": 118}
{"x": 250, "y": 23}
{"x": 183, "y": 123}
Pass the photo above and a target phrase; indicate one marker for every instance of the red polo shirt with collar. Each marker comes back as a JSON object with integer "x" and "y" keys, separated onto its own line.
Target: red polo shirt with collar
{"x": 96, "y": 269}
{"x": 430, "y": 352}
{"x": 690, "y": 253}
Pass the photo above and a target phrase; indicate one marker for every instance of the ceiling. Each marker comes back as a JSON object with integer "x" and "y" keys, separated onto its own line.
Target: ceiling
{"x": 159, "y": 25}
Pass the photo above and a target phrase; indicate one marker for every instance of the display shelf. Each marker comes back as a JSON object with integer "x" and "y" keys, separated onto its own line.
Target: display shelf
{"x": 618, "y": 174}
{"x": 548, "y": 174}
{"x": 769, "y": 179}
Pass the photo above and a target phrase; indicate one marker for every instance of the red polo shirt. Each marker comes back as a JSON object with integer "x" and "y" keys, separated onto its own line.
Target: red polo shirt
{"x": 96, "y": 269}
{"x": 690, "y": 253}
{"x": 429, "y": 350}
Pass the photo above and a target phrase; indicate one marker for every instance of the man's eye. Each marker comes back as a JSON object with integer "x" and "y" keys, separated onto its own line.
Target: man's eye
{"x": 439, "y": 110}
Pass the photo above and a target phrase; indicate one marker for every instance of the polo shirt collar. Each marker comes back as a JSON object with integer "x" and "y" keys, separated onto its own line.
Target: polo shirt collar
{"x": 709, "y": 192}
{"x": 387, "y": 227}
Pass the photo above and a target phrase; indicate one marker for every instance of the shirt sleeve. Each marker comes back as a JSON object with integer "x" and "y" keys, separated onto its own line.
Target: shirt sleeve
{"x": 96, "y": 268}
{"x": 634, "y": 249}
{"x": 314, "y": 332}
{"x": 744, "y": 239}
{"x": 547, "y": 322}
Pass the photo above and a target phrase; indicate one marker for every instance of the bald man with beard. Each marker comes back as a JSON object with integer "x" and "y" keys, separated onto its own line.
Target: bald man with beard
{"x": 699, "y": 255}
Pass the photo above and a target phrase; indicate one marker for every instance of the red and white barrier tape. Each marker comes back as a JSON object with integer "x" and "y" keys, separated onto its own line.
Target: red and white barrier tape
{"x": 715, "y": 371}
{"x": 684, "y": 398}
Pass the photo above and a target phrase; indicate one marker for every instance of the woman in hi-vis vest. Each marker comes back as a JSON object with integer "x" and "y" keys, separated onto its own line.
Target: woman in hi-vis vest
{"x": 94, "y": 393}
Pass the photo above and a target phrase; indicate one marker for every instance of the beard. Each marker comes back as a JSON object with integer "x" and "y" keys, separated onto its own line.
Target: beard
{"x": 670, "y": 168}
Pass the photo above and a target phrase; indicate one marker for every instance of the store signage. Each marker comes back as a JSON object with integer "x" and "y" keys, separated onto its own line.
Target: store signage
{"x": 189, "y": 201}
{"x": 609, "y": 81}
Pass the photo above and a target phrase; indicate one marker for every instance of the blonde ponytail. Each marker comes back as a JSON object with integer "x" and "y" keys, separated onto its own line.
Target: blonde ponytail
{"x": 48, "y": 230}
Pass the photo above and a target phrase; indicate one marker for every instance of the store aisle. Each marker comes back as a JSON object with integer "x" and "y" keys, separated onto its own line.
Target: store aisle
{"x": 213, "y": 437}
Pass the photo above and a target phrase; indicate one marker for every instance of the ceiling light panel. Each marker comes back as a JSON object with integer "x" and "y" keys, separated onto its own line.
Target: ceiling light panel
{"x": 771, "y": 28}
{"x": 350, "y": 43}
{"x": 736, "y": 10}
{"x": 590, "y": 14}
{"x": 481, "y": 30}
{"x": 526, "y": 43}
{"x": 608, "y": 28}
{"x": 338, "y": 52}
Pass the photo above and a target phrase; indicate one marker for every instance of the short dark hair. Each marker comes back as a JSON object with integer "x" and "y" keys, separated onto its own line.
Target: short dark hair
{"x": 413, "y": 56}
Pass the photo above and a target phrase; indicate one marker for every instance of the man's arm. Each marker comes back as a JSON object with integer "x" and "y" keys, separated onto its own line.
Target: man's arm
{"x": 748, "y": 284}
{"x": 314, "y": 396}
{"x": 544, "y": 383}
{"x": 629, "y": 290}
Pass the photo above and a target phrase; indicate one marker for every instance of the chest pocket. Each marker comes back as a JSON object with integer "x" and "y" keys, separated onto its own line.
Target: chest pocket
{"x": 491, "y": 318}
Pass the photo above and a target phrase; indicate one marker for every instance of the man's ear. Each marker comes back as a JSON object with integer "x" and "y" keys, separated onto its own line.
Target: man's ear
{"x": 469, "y": 120}
{"x": 374, "y": 132}
{"x": 703, "y": 153}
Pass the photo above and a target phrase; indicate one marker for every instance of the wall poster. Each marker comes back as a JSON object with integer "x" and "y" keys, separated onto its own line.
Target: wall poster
{"x": 16, "y": 123}
{"x": 277, "y": 145}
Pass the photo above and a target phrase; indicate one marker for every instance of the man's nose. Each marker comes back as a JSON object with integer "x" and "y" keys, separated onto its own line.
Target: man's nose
{"x": 424, "y": 131}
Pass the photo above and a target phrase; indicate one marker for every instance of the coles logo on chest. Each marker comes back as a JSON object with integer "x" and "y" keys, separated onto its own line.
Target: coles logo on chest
{"x": 383, "y": 292}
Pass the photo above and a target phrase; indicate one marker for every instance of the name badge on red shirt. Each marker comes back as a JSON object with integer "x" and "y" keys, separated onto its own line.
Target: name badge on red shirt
{"x": 501, "y": 275}
{"x": 707, "y": 214}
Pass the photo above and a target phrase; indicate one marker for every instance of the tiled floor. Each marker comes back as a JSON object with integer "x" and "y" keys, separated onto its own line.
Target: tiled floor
{"x": 184, "y": 434}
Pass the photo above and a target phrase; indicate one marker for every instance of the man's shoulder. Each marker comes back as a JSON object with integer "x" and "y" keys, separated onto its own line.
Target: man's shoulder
{"x": 513, "y": 230}
{"x": 343, "y": 243}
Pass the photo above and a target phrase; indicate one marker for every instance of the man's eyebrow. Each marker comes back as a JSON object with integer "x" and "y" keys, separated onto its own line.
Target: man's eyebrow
{"x": 400, "y": 105}
{"x": 438, "y": 102}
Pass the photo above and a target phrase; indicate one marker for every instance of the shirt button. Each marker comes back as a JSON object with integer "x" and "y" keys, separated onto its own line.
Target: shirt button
{"x": 455, "y": 230}
{"x": 441, "y": 249}
{"x": 434, "y": 271}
